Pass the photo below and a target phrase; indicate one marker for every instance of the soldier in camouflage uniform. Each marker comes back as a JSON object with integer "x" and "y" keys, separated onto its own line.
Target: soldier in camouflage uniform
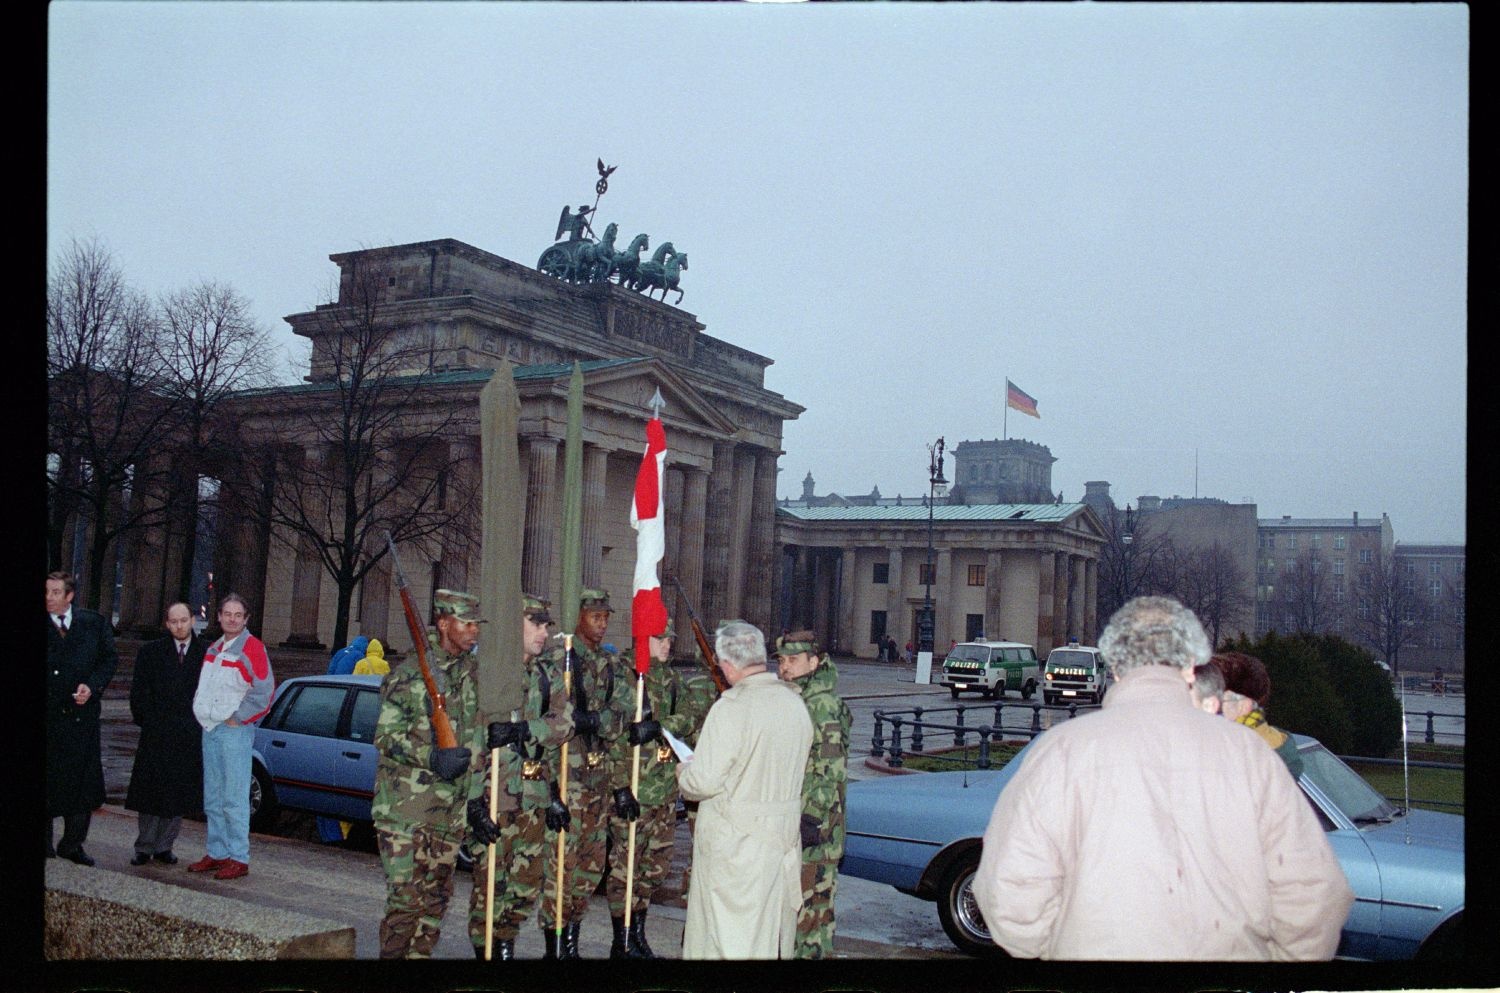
{"x": 602, "y": 703}
{"x": 422, "y": 791}
{"x": 802, "y": 662}
{"x": 528, "y": 803}
{"x": 678, "y": 703}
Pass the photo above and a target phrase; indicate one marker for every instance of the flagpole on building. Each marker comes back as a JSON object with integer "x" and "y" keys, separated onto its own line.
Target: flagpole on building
{"x": 1005, "y": 417}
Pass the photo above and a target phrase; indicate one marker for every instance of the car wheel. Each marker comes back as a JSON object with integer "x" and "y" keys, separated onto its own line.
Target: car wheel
{"x": 959, "y": 911}
{"x": 954, "y": 691}
{"x": 989, "y": 693}
{"x": 1050, "y": 699}
{"x": 264, "y": 811}
{"x": 1027, "y": 690}
{"x": 1446, "y": 944}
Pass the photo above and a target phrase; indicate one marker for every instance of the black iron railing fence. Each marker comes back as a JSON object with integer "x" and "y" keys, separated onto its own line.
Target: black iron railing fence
{"x": 902, "y": 732}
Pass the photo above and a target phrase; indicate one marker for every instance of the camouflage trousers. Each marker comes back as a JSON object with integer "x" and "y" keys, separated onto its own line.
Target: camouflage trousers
{"x": 519, "y": 856}
{"x": 655, "y": 833}
{"x": 419, "y": 867}
{"x": 583, "y": 858}
{"x": 815, "y": 919}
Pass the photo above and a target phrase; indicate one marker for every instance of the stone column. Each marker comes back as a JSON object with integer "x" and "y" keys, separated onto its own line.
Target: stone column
{"x": 307, "y": 581}
{"x": 1046, "y": 593}
{"x": 690, "y": 553}
{"x": 762, "y": 579}
{"x": 897, "y": 625}
{"x": 1075, "y": 605}
{"x": 718, "y": 526}
{"x": 591, "y": 529}
{"x": 671, "y": 561}
{"x": 943, "y": 601}
{"x": 1091, "y": 601}
{"x": 992, "y": 593}
{"x": 742, "y": 501}
{"x": 242, "y": 545}
{"x": 1059, "y": 598}
{"x": 141, "y": 593}
{"x": 461, "y": 541}
{"x": 841, "y": 604}
{"x": 540, "y": 532}
{"x": 375, "y": 601}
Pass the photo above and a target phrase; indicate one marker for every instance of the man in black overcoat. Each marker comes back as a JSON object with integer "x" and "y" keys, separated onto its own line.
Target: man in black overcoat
{"x": 80, "y": 661}
{"x": 166, "y": 781}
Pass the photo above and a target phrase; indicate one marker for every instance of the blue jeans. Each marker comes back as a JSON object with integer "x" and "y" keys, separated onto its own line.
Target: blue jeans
{"x": 226, "y": 791}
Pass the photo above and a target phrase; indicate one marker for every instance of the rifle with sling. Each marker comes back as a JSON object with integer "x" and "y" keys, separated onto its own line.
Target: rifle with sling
{"x": 442, "y": 727}
{"x": 709, "y": 659}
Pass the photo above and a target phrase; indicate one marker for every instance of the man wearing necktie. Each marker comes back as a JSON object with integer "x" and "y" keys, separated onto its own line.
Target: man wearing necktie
{"x": 80, "y": 661}
{"x": 166, "y": 781}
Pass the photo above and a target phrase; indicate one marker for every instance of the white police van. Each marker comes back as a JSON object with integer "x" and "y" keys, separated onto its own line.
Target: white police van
{"x": 992, "y": 667}
{"x": 1075, "y": 672}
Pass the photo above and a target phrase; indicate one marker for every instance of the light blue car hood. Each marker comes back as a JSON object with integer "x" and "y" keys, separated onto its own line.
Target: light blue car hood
{"x": 1427, "y": 828}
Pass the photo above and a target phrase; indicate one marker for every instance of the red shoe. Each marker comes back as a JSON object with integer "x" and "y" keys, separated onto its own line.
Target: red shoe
{"x": 206, "y": 864}
{"x": 232, "y": 870}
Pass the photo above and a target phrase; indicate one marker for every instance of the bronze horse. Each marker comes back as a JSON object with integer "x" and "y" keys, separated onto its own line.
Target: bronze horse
{"x": 625, "y": 264}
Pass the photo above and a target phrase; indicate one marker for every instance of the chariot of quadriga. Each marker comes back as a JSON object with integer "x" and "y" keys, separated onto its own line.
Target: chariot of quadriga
{"x": 581, "y": 256}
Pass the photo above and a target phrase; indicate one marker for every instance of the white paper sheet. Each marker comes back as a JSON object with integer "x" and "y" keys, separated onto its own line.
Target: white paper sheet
{"x": 684, "y": 753}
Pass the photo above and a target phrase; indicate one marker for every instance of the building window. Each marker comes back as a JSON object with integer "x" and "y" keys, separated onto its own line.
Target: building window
{"x": 1435, "y": 588}
{"x": 1409, "y": 568}
{"x": 976, "y": 575}
{"x": 1436, "y": 568}
{"x": 877, "y": 625}
{"x": 882, "y": 573}
{"x": 926, "y": 574}
{"x": 1409, "y": 587}
{"x": 1270, "y": 541}
{"x": 1291, "y": 542}
{"x": 1364, "y": 556}
{"x": 1338, "y": 567}
{"x": 973, "y": 473}
{"x": 1338, "y": 542}
{"x": 1316, "y": 539}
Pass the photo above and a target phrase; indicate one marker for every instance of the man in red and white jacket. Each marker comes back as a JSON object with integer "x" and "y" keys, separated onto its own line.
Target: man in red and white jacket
{"x": 234, "y": 692}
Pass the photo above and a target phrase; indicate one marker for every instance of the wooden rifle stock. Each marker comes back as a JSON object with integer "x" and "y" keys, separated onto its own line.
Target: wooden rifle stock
{"x": 709, "y": 659}
{"x": 442, "y": 727}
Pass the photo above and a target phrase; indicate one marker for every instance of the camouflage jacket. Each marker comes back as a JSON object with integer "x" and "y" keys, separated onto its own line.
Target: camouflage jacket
{"x": 827, "y": 760}
{"x": 548, "y": 714}
{"x": 606, "y": 688}
{"x": 679, "y": 701}
{"x": 407, "y": 791}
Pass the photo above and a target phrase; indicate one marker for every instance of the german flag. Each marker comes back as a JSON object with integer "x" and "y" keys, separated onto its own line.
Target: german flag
{"x": 1020, "y": 400}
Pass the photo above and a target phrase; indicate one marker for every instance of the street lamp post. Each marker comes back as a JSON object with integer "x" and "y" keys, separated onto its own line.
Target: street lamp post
{"x": 937, "y": 486}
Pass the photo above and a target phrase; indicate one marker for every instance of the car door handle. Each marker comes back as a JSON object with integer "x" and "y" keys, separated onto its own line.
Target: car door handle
{"x": 352, "y": 755}
{"x": 277, "y": 744}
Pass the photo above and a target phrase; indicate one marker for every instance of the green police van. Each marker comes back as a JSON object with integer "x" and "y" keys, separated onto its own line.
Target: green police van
{"x": 1076, "y": 672}
{"x": 992, "y": 667}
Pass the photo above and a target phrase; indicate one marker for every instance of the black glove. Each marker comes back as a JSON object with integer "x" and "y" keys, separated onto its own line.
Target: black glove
{"x": 557, "y": 816}
{"x": 810, "y": 830}
{"x": 585, "y": 721}
{"x": 625, "y": 804}
{"x": 481, "y": 828}
{"x": 643, "y": 732}
{"x": 450, "y": 762}
{"x": 504, "y": 733}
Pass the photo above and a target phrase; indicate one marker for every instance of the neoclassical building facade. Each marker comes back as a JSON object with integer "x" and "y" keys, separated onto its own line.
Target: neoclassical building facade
{"x": 461, "y": 310}
{"x": 1012, "y": 572}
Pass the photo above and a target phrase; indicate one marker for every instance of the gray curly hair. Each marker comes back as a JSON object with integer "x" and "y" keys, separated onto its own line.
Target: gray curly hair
{"x": 741, "y": 645}
{"x": 1153, "y": 630}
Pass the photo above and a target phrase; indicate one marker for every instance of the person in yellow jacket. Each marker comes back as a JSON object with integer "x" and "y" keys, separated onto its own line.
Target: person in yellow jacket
{"x": 374, "y": 663}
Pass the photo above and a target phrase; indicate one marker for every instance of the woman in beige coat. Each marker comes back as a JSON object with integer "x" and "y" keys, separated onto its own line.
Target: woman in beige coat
{"x": 747, "y": 773}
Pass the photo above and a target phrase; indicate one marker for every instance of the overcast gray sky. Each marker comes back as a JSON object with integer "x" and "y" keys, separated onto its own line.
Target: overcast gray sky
{"x": 1232, "y": 230}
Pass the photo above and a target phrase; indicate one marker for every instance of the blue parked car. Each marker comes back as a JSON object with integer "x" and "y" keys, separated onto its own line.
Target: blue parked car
{"x": 315, "y": 750}
{"x": 922, "y": 833}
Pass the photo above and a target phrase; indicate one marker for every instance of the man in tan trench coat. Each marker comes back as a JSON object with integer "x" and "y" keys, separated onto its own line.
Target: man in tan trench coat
{"x": 747, "y": 775}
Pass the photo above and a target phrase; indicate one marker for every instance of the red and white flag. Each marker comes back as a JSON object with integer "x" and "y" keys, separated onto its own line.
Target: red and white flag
{"x": 648, "y": 615}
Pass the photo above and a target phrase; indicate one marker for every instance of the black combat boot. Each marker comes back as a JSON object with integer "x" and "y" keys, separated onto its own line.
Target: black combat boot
{"x": 636, "y": 946}
{"x": 549, "y": 938}
{"x": 617, "y": 948}
{"x": 569, "y": 949}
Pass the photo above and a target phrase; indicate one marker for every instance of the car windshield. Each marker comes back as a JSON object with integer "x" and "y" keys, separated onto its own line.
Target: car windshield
{"x": 1356, "y": 798}
{"x": 967, "y": 653}
{"x": 1071, "y": 660}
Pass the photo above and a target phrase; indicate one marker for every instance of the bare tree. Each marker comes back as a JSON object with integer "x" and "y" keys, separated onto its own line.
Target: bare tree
{"x": 1134, "y": 562}
{"x": 1215, "y": 588}
{"x": 377, "y": 457}
{"x": 1306, "y": 594}
{"x": 1391, "y": 612}
{"x": 107, "y": 408}
{"x": 211, "y": 348}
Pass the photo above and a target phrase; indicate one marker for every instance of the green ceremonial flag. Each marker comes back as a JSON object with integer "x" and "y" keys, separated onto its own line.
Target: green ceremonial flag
{"x": 572, "y": 521}
{"x": 502, "y": 687}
